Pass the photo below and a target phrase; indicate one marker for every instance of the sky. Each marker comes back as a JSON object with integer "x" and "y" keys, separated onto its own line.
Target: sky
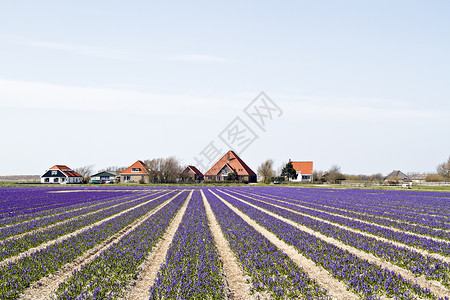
{"x": 359, "y": 84}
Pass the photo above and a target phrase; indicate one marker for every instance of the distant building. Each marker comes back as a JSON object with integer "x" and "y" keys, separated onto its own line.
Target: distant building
{"x": 191, "y": 174}
{"x": 137, "y": 172}
{"x": 396, "y": 175}
{"x": 104, "y": 177}
{"x": 418, "y": 178}
{"x": 228, "y": 163}
{"x": 61, "y": 174}
{"x": 304, "y": 171}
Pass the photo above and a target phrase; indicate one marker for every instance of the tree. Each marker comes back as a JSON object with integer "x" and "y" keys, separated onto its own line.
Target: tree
{"x": 317, "y": 176}
{"x": 334, "y": 174}
{"x": 232, "y": 176}
{"x": 163, "y": 170}
{"x": 171, "y": 168}
{"x": 289, "y": 171}
{"x": 376, "y": 177}
{"x": 444, "y": 169}
{"x": 86, "y": 172}
{"x": 115, "y": 169}
{"x": 265, "y": 170}
{"x": 434, "y": 178}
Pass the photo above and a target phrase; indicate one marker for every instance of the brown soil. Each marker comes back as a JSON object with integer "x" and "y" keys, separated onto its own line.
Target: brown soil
{"x": 238, "y": 287}
{"x": 139, "y": 289}
{"x": 44, "y": 288}
{"x": 335, "y": 288}
{"x": 435, "y": 287}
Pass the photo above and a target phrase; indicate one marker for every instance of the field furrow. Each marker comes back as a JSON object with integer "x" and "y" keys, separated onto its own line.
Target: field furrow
{"x": 237, "y": 284}
{"x": 16, "y": 276}
{"x": 46, "y": 287}
{"x": 361, "y": 276}
{"x": 436, "y": 286}
{"x": 275, "y": 269}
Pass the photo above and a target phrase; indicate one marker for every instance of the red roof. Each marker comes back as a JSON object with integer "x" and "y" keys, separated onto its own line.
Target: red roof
{"x": 305, "y": 167}
{"x": 139, "y": 166}
{"x": 195, "y": 170}
{"x": 234, "y": 162}
{"x": 66, "y": 170}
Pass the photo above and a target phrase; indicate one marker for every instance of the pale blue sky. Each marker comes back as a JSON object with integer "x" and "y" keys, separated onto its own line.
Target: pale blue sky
{"x": 362, "y": 84}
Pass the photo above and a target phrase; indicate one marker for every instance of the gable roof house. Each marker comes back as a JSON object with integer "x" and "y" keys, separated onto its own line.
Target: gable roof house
{"x": 396, "y": 175}
{"x": 304, "y": 170}
{"x": 191, "y": 174}
{"x": 61, "y": 174}
{"x": 229, "y": 162}
{"x": 137, "y": 172}
{"x": 104, "y": 177}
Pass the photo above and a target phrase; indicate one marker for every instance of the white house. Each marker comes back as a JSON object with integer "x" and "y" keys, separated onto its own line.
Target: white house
{"x": 61, "y": 174}
{"x": 304, "y": 171}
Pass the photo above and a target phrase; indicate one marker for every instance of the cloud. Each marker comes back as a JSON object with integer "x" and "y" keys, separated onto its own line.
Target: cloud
{"x": 36, "y": 95}
{"x": 200, "y": 58}
{"x": 100, "y": 52}
{"x": 297, "y": 109}
{"x": 362, "y": 109}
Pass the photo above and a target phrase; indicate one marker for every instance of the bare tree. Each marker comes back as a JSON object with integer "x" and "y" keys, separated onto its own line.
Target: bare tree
{"x": 86, "y": 172}
{"x": 163, "y": 170}
{"x": 376, "y": 177}
{"x": 265, "y": 170}
{"x": 115, "y": 169}
{"x": 334, "y": 174}
{"x": 444, "y": 169}
{"x": 171, "y": 169}
{"x": 318, "y": 175}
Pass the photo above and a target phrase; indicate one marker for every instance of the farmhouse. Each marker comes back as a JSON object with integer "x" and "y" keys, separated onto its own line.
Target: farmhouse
{"x": 396, "y": 175}
{"x": 61, "y": 174}
{"x": 227, "y": 164}
{"x": 304, "y": 170}
{"x": 137, "y": 172}
{"x": 191, "y": 174}
{"x": 104, "y": 177}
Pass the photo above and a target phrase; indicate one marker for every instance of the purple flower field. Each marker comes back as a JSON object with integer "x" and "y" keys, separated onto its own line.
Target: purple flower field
{"x": 116, "y": 243}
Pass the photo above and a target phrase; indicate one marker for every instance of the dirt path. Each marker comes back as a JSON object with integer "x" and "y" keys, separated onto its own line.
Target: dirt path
{"x": 418, "y": 250}
{"x": 335, "y": 288}
{"x": 44, "y": 288}
{"x": 435, "y": 287}
{"x": 18, "y": 236}
{"x": 437, "y": 239}
{"x": 64, "y": 237}
{"x": 139, "y": 288}
{"x": 239, "y": 288}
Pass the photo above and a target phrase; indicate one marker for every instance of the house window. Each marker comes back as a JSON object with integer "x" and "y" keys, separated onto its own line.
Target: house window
{"x": 127, "y": 178}
{"x": 63, "y": 179}
{"x": 47, "y": 180}
{"x": 135, "y": 169}
{"x": 54, "y": 172}
{"x": 305, "y": 177}
{"x": 55, "y": 179}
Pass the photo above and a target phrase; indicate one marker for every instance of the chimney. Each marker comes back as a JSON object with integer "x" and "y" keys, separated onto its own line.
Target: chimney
{"x": 228, "y": 156}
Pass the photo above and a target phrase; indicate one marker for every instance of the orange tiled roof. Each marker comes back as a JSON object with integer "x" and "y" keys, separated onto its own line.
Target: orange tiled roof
{"x": 137, "y": 165}
{"x": 235, "y": 163}
{"x": 60, "y": 167}
{"x": 305, "y": 167}
{"x": 66, "y": 170}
